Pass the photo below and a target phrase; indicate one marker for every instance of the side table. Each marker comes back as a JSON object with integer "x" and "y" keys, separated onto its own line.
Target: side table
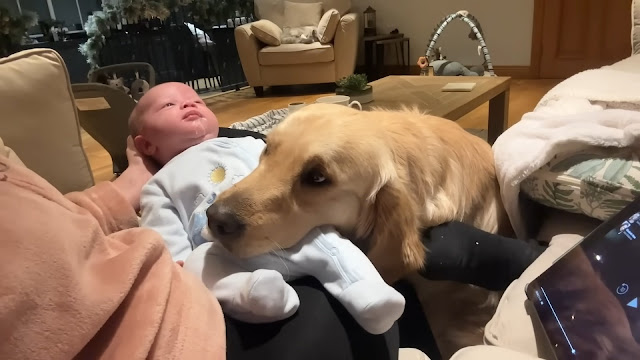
{"x": 374, "y": 47}
{"x": 379, "y": 51}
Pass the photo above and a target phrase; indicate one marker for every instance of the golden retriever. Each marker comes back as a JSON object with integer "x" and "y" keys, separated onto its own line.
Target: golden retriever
{"x": 379, "y": 177}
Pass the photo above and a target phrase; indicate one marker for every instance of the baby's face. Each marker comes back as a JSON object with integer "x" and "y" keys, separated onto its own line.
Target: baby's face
{"x": 172, "y": 119}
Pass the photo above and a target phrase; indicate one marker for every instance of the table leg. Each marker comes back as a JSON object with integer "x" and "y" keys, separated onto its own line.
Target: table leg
{"x": 379, "y": 51}
{"x": 408, "y": 56}
{"x": 368, "y": 59}
{"x": 498, "y": 115}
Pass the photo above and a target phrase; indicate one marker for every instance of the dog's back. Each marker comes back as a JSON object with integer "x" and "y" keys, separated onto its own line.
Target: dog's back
{"x": 455, "y": 166}
{"x": 459, "y": 170}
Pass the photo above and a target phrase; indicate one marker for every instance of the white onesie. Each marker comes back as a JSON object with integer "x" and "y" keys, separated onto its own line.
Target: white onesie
{"x": 174, "y": 203}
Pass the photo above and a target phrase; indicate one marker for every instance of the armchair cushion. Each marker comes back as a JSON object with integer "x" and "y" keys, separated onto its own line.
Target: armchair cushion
{"x": 345, "y": 44}
{"x": 267, "y": 32}
{"x": 302, "y": 14}
{"x": 293, "y": 54}
{"x": 39, "y": 119}
{"x": 328, "y": 25}
{"x": 273, "y": 10}
{"x": 9, "y": 154}
{"x": 598, "y": 182}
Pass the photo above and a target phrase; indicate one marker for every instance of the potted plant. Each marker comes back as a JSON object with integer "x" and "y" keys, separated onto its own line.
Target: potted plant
{"x": 13, "y": 29}
{"x": 356, "y": 87}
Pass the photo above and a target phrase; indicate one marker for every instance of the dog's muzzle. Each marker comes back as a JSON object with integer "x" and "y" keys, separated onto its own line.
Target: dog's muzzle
{"x": 224, "y": 223}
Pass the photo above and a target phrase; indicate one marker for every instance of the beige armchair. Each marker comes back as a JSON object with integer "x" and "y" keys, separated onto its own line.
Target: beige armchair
{"x": 291, "y": 64}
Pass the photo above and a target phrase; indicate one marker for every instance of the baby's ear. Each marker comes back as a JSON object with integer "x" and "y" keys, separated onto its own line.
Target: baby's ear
{"x": 144, "y": 147}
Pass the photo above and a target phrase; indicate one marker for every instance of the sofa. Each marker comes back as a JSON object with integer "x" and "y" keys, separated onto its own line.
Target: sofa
{"x": 564, "y": 224}
{"x": 296, "y": 63}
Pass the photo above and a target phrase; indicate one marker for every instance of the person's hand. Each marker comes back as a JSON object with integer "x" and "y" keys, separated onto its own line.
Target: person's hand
{"x": 136, "y": 175}
{"x": 141, "y": 164}
{"x": 422, "y": 62}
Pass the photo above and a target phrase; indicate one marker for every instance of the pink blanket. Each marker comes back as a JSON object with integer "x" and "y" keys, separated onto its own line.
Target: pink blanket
{"x": 79, "y": 280}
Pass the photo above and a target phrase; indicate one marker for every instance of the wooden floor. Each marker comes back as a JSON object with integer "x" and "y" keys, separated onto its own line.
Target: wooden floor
{"x": 241, "y": 105}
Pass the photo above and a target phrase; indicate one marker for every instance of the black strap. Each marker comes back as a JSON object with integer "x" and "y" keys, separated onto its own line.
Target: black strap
{"x": 236, "y": 133}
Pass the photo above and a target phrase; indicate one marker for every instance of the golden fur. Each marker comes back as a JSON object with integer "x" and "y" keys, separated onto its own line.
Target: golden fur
{"x": 387, "y": 174}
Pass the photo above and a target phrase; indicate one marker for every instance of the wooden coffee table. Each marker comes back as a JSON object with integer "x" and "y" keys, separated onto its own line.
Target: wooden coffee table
{"x": 424, "y": 92}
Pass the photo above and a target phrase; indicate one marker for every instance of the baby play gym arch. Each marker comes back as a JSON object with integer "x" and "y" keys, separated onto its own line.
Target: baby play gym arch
{"x": 476, "y": 34}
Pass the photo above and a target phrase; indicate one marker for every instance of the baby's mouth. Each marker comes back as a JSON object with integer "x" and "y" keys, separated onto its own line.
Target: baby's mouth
{"x": 192, "y": 115}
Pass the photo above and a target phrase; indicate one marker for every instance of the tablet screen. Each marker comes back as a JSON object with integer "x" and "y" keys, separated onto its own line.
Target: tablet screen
{"x": 588, "y": 301}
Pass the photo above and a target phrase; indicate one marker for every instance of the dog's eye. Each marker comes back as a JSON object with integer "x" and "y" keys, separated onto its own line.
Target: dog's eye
{"x": 314, "y": 177}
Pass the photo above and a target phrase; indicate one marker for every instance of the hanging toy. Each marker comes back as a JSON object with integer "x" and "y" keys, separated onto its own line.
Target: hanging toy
{"x": 139, "y": 87}
{"x": 118, "y": 83}
{"x": 441, "y": 66}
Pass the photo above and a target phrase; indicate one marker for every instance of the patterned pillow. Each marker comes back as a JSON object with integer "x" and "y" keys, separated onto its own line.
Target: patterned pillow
{"x": 597, "y": 183}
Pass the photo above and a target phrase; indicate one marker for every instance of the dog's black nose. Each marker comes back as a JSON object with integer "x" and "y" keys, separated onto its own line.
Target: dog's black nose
{"x": 224, "y": 223}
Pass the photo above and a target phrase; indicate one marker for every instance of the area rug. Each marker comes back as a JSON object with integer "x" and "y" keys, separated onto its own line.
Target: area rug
{"x": 264, "y": 123}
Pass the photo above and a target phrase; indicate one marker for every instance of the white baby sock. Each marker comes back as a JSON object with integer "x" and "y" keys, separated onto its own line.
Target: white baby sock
{"x": 252, "y": 296}
{"x": 260, "y": 296}
{"x": 348, "y": 275}
{"x": 373, "y": 304}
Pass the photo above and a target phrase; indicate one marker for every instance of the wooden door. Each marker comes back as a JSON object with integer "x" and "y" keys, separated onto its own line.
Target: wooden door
{"x": 575, "y": 35}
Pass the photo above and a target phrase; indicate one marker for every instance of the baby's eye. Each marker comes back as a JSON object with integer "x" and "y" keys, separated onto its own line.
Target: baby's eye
{"x": 168, "y": 104}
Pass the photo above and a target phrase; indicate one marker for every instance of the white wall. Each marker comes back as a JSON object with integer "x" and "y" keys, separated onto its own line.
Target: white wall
{"x": 507, "y": 27}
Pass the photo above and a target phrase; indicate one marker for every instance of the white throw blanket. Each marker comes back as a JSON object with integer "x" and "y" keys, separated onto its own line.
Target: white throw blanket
{"x": 593, "y": 108}
{"x": 539, "y": 136}
{"x": 594, "y": 90}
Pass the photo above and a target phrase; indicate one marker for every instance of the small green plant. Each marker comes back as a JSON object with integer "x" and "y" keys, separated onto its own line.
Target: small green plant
{"x": 355, "y": 82}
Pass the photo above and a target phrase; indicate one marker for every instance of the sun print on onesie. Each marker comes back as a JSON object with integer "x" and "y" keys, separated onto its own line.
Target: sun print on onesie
{"x": 218, "y": 174}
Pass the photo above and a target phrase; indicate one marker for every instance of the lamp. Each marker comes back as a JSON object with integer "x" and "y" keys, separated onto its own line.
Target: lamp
{"x": 369, "y": 21}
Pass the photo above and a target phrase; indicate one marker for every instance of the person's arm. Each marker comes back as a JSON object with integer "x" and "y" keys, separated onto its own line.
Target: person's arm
{"x": 135, "y": 176}
{"x": 460, "y": 252}
{"x": 114, "y": 204}
{"x": 63, "y": 259}
{"x": 107, "y": 205}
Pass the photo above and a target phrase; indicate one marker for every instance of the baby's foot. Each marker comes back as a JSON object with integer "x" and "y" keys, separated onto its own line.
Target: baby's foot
{"x": 267, "y": 297}
{"x": 373, "y": 304}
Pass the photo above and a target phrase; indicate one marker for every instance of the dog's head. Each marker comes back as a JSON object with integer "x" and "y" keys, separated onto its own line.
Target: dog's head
{"x": 319, "y": 167}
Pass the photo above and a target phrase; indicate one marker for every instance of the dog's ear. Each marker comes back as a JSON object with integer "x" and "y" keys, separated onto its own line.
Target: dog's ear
{"x": 396, "y": 248}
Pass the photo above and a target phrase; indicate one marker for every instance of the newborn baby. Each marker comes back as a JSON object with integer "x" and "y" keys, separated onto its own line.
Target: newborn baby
{"x": 172, "y": 125}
